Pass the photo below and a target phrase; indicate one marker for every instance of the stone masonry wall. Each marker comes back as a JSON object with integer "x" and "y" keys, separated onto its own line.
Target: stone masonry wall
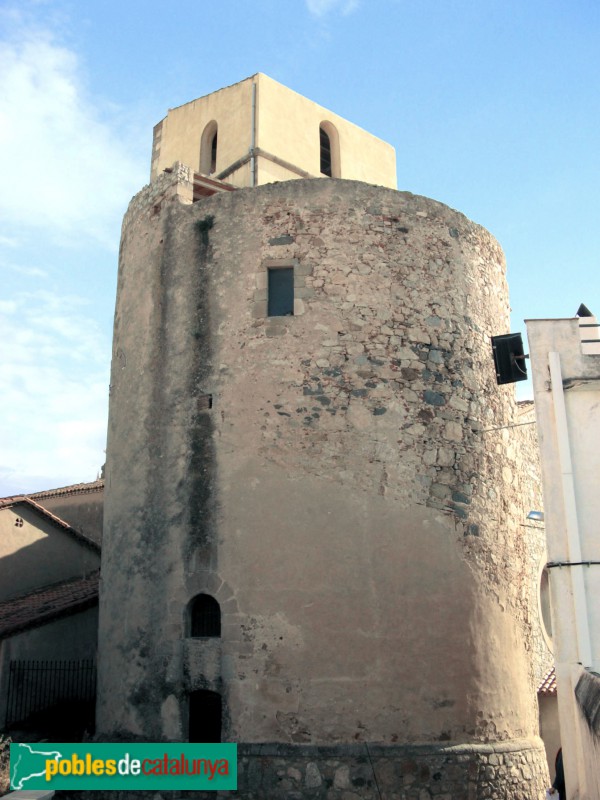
{"x": 522, "y": 442}
{"x": 373, "y": 772}
{"x": 388, "y": 381}
{"x": 354, "y": 496}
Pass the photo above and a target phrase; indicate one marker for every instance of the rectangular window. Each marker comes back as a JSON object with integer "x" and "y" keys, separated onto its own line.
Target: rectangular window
{"x": 281, "y": 292}
{"x": 204, "y": 402}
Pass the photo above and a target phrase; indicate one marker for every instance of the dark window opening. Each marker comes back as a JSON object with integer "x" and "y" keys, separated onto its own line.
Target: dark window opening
{"x": 213, "y": 154}
{"x": 281, "y": 292}
{"x": 325, "y": 153}
{"x": 205, "y": 402}
{"x": 208, "y": 148}
{"x": 205, "y": 716}
{"x": 205, "y": 616}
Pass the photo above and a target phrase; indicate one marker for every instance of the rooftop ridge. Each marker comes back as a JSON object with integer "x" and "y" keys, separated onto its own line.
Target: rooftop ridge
{"x": 75, "y": 488}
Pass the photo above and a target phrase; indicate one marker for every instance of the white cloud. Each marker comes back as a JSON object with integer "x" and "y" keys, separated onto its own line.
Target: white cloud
{"x": 69, "y": 167}
{"x": 8, "y": 241}
{"x": 53, "y": 404}
{"x": 322, "y": 7}
{"x": 65, "y": 164}
{"x": 19, "y": 269}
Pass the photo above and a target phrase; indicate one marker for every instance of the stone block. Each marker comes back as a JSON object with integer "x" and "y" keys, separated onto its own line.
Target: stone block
{"x": 312, "y": 777}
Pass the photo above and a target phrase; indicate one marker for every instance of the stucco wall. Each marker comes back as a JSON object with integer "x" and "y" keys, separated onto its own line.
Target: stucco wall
{"x": 287, "y": 126}
{"x": 69, "y": 638}
{"x": 38, "y": 553}
{"x": 549, "y": 728}
{"x": 82, "y": 511}
{"x": 354, "y": 498}
{"x": 181, "y": 130}
{"x": 566, "y": 383}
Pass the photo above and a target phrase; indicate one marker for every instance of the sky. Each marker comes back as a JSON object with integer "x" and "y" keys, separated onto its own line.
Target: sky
{"x": 493, "y": 107}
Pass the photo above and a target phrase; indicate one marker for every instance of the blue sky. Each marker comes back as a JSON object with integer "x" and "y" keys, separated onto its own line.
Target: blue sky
{"x": 492, "y": 106}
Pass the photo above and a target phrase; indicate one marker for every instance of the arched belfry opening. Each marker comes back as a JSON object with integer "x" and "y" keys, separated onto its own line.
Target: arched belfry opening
{"x": 329, "y": 150}
{"x": 204, "y": 617}
{"x": 208, "y": 149}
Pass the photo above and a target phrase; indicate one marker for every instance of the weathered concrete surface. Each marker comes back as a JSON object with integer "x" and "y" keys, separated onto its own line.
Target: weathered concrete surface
{"x": 354, "y": 499}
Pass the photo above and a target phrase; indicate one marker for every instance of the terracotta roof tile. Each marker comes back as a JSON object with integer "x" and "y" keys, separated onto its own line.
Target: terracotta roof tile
{"x": 76, "y": 488}
{"x": 548, "y": 684}
{"x": 48, "y": 603}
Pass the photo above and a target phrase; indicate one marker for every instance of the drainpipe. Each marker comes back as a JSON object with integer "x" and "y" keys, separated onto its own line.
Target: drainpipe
{"x": 253, "y": 139}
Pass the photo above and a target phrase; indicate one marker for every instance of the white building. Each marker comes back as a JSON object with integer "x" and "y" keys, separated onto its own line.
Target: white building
{"x": 565, "y": 361}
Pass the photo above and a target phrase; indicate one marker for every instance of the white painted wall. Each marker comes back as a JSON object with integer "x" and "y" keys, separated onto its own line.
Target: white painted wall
{"x": 566, "y": 386}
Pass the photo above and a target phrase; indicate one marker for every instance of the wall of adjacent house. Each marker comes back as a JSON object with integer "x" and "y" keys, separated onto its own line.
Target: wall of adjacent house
{"x": 549, "y": 728}
{"x": 82, "y": 511}
{"x": 38, "y": 552}
{"x": 70, "y": 638}
{"x": 569, "y": 430}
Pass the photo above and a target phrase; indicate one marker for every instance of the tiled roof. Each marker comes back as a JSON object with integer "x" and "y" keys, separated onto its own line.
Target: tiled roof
{"x": 63, "y": 491}
{"x": 526, "y": 411}
{"x": 10, "y": 502}
{"x": 76, "y": 488}
{"x": 48, "y": 603}
{"x": 548, "y": 684}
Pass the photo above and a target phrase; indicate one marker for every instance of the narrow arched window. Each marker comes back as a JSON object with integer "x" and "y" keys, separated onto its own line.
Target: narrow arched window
{"x": 204, "y": 616}
{"x": 325, "y": 153}
{"x": 205, "y": 713}
{"x": 213, "y": 154}
{"x": 329, "y": 150}
{"x": 208, "y": 149}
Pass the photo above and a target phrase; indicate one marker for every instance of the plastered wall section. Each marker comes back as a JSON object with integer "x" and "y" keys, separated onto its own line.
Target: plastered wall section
{"x": 581, "y": 379}
{"x": 177, "y": 137}
{"x": 353, "y": 499}
{"x": 82, "y": 511}
{"x": 549, "y": 728}
{"x": 38, "y": 553}
{"x": 71, "y": 638}
{"x": 287, "y": 126}
{"x": 571, "y": 504}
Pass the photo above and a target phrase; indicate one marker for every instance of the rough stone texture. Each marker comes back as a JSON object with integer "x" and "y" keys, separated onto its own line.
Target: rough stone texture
{"x": 354, "y": 499}
{"x": 373, "y": 772}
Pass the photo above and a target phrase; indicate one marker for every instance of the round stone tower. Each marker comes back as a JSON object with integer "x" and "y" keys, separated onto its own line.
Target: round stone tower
{"x": 304, "y": 448}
